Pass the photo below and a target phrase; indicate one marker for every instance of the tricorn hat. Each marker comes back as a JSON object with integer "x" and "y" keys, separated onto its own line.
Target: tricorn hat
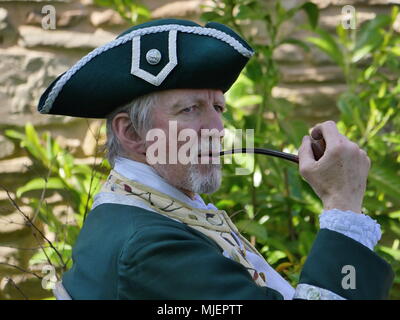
{"x": 157, "y": 55}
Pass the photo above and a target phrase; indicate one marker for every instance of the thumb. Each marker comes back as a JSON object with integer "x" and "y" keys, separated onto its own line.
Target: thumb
{"x": 306, "y": 155}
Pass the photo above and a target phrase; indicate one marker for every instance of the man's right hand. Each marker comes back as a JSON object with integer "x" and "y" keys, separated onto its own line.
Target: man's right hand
{"x": 339, "y": 177}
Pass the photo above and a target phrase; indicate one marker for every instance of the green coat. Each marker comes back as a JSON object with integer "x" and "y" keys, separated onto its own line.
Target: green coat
{"x": 126, "y": 252}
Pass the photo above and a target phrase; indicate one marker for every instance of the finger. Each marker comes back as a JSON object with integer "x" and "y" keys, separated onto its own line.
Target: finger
{"x": 329, "y": 132}
{"x": 365, "y": 155}
{"x": 306, "y": 155}
{"x": 316, "y": 133}
{"x": 318, "y": 148}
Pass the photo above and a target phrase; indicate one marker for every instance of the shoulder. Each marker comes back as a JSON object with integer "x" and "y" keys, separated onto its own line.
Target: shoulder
{"x": 169, "y": 260}
{"x": 142, "y": 227}
{"x": 154, "y": 230}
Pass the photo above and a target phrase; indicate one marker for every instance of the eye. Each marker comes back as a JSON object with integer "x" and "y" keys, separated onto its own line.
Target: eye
{"x": 220, "y": 108}
{"x": 188, "y": 109}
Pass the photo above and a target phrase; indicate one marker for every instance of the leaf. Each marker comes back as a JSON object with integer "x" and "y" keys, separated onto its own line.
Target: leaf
{"x": 72, "y": 234}
{"x": 209, "y": 16}
{"x": 34, "y": 142}
{"x": 295, "y": 131}
{"x": 295, "y": 42}
{"x": 395, "y": 50}
{"x": 225, "y": 203}
{"x": 394, "y": 215}
{"x": 386, "y": 179}
{"x": 369, "y": 36}
{"x": 395, "y": 253}
{"x": 242, "y": 86}
{"x": 379, "y": 22}
{"x": 40, "y": 184}
{"x": 247, "y": 100}
{"x": 275, "y": 256}
{"x": 143, "y": 11}
{"x": 15, "y": 134}
{"x": 254, "y": 70}
{"x": 312, "y": 12}
{"x": 306, "y": 240}
{"x": 253, "y": 228}
{"x": 246, "y": 12}
{"x": 46, "y": 215}
{"x": 350, "y": 105}
{"x": 373, "y": 41}
{"x": 295, "y": 183}
{"x": 65, "y": 251}
{"x": 328, "y": 45}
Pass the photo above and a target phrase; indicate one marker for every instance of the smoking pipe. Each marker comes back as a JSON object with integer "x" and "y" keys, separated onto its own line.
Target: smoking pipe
{"x": 317, "y": 144}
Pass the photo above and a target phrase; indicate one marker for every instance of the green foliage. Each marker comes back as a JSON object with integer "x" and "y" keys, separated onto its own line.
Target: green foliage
{"x": 59, "y": 173}
{"x": 132, "y": 11}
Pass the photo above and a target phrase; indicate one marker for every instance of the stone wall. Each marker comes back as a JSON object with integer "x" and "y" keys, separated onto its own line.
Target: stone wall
{"x": 31, "y": 57}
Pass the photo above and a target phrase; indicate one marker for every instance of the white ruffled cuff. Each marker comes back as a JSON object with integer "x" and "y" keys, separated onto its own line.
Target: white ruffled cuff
{"x": 357, "y": 226}
{"x": 308, "y": 292}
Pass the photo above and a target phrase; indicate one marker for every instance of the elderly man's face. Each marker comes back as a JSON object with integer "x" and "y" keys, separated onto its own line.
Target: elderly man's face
{"x": 195, "y": 110}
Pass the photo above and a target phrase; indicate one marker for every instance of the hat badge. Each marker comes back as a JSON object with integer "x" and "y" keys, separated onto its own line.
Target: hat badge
{"x": 153, "y": 56}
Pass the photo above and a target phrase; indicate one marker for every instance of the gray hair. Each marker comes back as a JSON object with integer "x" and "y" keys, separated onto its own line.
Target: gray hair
{"x": 139, "y": 111}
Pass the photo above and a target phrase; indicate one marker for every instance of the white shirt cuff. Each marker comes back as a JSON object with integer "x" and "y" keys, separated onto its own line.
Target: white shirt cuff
{"x": 357, "y": 226}
{"x": 308, "y": 292}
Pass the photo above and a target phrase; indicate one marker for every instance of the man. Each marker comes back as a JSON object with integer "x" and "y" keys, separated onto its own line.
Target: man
{"x": 149, "y": 234}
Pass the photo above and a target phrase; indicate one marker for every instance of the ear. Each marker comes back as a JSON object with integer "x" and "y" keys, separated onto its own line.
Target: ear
{"x": 130, "y": 140}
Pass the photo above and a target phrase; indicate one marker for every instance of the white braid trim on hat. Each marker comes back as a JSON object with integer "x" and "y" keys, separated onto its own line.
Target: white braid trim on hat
{"x": 220, "y": 35}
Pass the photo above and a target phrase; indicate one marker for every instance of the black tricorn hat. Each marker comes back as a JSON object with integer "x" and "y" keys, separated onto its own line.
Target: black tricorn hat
{"x": 153, "y": 56}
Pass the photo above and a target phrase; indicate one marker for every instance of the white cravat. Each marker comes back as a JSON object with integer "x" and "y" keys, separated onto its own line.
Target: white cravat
{"x": 145, "y": 174}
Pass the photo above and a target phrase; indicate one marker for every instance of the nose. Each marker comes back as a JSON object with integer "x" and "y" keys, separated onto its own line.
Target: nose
{"x": 212, "y": 128}
{"x": 212, "y": 119}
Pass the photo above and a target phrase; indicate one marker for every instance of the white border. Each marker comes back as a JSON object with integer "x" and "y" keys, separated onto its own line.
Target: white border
{"x": 211, "y": 32}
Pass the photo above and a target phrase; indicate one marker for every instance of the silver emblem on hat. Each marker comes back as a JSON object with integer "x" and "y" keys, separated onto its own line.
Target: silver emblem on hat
{"x": 172, "y": 58}
{"x": 153, "y": 56}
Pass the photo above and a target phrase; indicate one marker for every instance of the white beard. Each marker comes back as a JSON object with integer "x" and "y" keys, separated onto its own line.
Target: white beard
{"x": 201, "y": 183}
